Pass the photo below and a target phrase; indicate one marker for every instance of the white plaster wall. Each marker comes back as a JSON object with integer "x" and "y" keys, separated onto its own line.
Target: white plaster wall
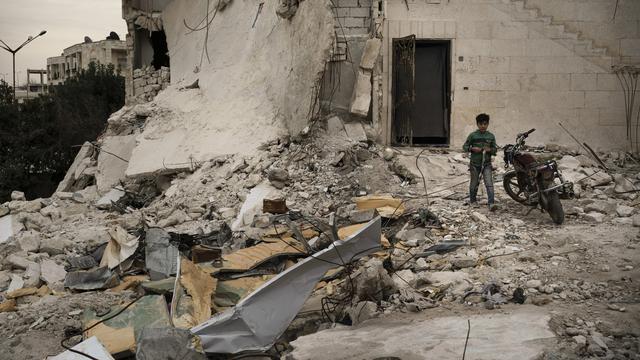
{"x": 259, "y": 84}
{"x": 520, "y": 74}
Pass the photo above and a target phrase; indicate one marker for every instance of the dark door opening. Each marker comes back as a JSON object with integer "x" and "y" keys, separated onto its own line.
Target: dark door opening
{"x": 151, "y": 49}
{"x": 421, "y": 88}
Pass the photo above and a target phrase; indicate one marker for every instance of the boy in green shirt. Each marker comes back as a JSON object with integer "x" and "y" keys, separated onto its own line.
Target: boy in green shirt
{"x": 482, "y": 145}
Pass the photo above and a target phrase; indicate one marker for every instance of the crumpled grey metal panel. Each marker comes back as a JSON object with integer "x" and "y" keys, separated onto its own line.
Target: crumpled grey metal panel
{"x": 256, "y": 322}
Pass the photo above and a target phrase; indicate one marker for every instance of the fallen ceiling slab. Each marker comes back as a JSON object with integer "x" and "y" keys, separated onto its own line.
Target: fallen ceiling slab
{"x": 259, "y": 319}
{"x": 518, "y": 334}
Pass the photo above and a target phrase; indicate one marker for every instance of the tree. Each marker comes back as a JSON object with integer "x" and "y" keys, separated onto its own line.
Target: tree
{"x": 39, "y": 138}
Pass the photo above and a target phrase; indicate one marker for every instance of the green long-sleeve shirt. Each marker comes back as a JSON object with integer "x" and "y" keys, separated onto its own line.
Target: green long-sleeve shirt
{"x": 479, "y": 139}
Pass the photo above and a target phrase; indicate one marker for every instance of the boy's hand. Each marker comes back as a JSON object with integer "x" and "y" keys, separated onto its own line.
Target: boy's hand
{"x": 487, "y": 149}
{"x": 475, "y": 149}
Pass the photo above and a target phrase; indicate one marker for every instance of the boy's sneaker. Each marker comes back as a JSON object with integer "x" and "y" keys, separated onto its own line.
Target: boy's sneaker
{"x": 493, "y": 207}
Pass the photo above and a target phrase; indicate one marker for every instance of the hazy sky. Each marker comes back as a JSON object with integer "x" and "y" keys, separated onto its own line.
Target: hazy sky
{"x": 67, "y": 23}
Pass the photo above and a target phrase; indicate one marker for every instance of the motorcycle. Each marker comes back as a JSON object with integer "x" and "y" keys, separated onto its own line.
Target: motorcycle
{"x": 533, "y": 183}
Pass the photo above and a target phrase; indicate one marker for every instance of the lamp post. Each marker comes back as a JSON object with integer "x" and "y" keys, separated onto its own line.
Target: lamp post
{"x": 13, "y": 53}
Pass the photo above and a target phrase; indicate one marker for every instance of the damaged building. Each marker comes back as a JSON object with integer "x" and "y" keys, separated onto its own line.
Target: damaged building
{"x": 286, "y": 180}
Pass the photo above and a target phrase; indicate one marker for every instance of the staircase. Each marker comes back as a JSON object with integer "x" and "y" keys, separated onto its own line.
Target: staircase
{"x": 547, "y": 27}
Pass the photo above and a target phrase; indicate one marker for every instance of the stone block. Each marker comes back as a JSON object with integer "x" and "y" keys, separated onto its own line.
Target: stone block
{"x": 553, "y": 82}
{"x": 477, "y": 82}
{"x": 493, "y": 64}
{"x": 494, "y": 99}
{"x": 29, "y": 241}
{"x": 507, "y": 47}
{"x": 630, "y": 47}
{"x": 509, "y": 30}
{"x": 604, "y": 99}
{"x": 361, "y": 97}
{"x": 474, "y": 47}
{"x": 611, "y": 117}
{"x": 557, "y": 99}
{"x": 362, "y": 12}
{"x": 370, "y": 53}
{"x": 508, "y": 82}
{"x": 583, "y": 81}
{"x": 467, "y": 98}
{"x": 140, "y": 82}
{"x": 558, "y": 65}
{"x": 608, "y": 82}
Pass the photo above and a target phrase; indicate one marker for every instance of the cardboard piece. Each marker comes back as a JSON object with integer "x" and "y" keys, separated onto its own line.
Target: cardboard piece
{"x": 189, "y": 311}
{"x": 121, "y": 246}
{"x": 386, "y": 205}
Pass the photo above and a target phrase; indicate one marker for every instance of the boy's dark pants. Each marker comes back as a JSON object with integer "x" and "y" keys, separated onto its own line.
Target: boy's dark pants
{"x": 487, "y": 176}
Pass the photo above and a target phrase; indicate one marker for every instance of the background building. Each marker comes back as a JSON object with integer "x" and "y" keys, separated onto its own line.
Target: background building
{"x": 78, "y": 56}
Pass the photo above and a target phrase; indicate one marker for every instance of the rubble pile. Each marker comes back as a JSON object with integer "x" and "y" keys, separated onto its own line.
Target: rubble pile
{"x": 195, "y": 247}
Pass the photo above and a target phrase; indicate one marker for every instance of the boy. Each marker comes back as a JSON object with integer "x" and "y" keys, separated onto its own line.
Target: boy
{"x": 482, "y": 145}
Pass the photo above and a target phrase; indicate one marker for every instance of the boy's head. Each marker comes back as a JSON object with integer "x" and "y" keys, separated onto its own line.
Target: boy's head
{"x": 482, "y": 120}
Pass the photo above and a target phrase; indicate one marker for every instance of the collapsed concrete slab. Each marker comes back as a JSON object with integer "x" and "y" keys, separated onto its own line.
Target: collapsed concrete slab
{"x": 519, "y": 334}
{"x": 113, "y": 161}
{"x": 259, "y": 84}
{"x": 67, "y": 184}
{"x": 9, "y": 226}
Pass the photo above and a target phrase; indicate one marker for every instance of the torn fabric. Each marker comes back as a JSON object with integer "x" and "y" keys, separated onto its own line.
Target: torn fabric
{"x": 259, "y": 319}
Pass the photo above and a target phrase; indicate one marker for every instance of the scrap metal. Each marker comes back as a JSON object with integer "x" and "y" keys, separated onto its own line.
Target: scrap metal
{"x": 257, "y": 321}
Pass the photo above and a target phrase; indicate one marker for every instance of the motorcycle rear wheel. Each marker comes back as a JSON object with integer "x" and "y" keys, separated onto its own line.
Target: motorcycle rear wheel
{"x": 512, "y": 188}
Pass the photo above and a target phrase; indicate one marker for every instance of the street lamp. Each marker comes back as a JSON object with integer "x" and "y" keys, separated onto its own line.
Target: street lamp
{"x": 13, "y": 53}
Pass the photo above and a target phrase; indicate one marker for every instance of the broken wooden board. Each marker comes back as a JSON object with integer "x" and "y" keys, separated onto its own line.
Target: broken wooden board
{"x": 118, "y": 335}
{"x": 386, "y": 205}
{"x": 8, "y": 305}
{"x": 22, "y": 292}
{"x": 347, "y": 231}
{"x": 249, "y": 258}
{"x": 187, "y": 312}
{"x": 129, "y": 282}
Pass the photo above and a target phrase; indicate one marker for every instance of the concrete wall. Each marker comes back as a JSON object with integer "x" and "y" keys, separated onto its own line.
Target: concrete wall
{"x": 521, "y": 68}
{"x": 260, "y": 82}
{"x": 353, "y": 27}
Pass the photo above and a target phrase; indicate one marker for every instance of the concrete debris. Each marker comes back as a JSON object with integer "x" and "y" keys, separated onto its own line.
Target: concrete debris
{"x": 70, "y": 183}
{"x": 18, "y": 196}
{"x": 121, "y": 246}
{"x": 160, "y": 254}
{"x": 282, "y": 296}
{"x": 355, "y": 131}
{"x": 432, "y": 338}
{"x": 119, "y": 335}
{"x": 101, "y": 278}
{"x": 91, "y": 347}
{"x": 9, "y": 226}
{"x": 166, "y": 344}
{"x": 51, "y": 273}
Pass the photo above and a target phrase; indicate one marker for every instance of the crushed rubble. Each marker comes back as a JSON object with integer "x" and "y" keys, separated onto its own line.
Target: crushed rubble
{"x": 240, "y": 223}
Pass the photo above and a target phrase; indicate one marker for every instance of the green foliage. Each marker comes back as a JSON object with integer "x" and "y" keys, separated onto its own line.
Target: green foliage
{"x": 39, "y": 138}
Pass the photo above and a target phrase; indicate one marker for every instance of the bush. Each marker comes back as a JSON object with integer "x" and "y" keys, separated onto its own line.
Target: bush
{"x": 40, "y": 138}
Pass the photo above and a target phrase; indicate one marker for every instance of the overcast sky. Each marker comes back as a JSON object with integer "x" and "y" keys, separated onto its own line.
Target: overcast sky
{"x": 67, "y": 23}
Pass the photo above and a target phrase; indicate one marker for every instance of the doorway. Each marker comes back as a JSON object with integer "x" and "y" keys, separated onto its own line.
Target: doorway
{"x": 421, "y": 92}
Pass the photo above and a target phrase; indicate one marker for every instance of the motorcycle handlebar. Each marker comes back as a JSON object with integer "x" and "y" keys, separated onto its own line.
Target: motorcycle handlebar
{"x": 530, "y": 131}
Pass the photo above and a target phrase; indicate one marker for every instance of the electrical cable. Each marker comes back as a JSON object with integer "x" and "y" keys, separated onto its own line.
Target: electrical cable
{"x": 62, "y": 342}
{"x": 467, "y": 339}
